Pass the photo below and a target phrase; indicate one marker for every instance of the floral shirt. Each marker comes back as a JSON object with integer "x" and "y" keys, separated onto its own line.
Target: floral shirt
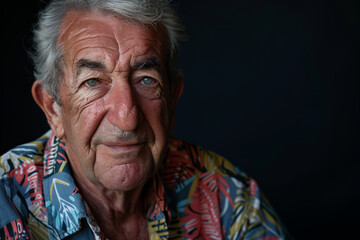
{"x": 196, "y": 195}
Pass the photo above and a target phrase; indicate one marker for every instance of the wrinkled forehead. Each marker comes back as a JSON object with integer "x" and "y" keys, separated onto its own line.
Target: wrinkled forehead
{"x": 82, "y": 30}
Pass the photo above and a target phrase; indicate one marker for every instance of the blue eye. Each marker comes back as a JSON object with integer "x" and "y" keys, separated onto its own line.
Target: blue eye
{"x": 91, "y": 82}
{"x": 147, "y": 81}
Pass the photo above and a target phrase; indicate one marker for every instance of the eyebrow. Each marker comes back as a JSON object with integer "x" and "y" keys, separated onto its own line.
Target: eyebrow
{"x": 88, "y": 64}
{"x": 148, "y": 63}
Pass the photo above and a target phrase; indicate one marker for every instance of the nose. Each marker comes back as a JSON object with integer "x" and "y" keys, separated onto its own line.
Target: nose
{"x": 122, "y": 106}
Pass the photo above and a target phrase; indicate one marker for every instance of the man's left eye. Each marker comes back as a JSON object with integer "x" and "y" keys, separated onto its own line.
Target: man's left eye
{"x": 148, "y": 81}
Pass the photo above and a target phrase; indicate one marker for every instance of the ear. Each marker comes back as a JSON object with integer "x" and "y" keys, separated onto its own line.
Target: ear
{"x": 50, "y": 108}
{"x": 177, "y": 90}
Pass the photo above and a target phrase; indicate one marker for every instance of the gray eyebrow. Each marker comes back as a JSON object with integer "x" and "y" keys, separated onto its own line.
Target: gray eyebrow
{"x": 148, "y": 63}
{"x": 89, "y": 64}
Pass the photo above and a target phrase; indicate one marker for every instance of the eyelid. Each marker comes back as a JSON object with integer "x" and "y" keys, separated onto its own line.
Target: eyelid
{"x": 150, "y": 72}
{"x": 87, "y": 75}
{"x": 86, "y": 82}
{"x": 139, "y": 82}
{"x": 154, "y": 79}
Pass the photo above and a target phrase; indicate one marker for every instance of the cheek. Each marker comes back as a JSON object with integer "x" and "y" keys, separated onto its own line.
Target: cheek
{"x": 80, "y": 125}
{"x": 82, "y": 121}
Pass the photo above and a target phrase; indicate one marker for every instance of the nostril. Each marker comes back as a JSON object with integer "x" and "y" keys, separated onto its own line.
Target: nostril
{"x": 124, "y": 116}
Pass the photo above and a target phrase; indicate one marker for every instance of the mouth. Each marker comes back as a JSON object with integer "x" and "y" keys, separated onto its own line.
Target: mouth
{"x": 124, "y": 146}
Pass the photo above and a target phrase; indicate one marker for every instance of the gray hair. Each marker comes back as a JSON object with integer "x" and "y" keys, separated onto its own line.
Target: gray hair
{"x": 47, "y": 54}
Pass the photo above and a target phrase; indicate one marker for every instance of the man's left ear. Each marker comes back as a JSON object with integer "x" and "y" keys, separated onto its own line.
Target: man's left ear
{"x": 177, "y": 90}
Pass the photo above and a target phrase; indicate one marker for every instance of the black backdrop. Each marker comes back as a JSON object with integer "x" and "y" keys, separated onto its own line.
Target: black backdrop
{"x": 271, "y": 85}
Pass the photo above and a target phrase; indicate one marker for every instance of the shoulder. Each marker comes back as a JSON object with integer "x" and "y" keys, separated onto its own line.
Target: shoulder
{"x": 201, "y": 175}
{"x": 29, "y": 153}
{"x": 186, "y": 155}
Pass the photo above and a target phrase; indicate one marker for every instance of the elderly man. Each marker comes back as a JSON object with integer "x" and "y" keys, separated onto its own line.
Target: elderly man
{"x": 108, "y": 168}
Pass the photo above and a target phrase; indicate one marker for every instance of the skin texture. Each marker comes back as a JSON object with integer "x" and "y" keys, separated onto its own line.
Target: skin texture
{"x": 115, "y": 115}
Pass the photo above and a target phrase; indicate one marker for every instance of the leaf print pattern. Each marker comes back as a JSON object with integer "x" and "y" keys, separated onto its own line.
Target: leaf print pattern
{"x": 67, "y": 213}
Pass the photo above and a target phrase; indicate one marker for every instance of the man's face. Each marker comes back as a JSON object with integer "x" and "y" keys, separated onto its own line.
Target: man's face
{"x": 114, "y": 98}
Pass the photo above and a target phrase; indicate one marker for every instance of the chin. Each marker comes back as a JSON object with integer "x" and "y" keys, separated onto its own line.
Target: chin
{"x": 126, "y": 178}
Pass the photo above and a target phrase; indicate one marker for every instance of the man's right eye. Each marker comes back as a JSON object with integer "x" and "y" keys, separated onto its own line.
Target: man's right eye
{"x": 91, "y": 82}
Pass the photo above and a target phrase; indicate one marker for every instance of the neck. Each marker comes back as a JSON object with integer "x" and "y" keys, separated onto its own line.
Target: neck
{"x": 118, "y": 213}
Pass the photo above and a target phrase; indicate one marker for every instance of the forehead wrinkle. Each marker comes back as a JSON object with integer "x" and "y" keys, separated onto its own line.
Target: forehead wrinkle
{"x": 93, "y": 45}
{"x": 127, "y": 43}
{"x": 149, "y": 47}
{"x": 99, "y": 38}
{"x": 75, "y": 31}
{"x": 97, "y": 54}
{"x": 66, "y": 25}
{"x": 117, "y": 39}
{"x": 106, "y": 56}
{"x": 143, "y": 59}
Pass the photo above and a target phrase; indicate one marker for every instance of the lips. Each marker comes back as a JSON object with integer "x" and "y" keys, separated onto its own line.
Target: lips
{"x": 124, "y": 146}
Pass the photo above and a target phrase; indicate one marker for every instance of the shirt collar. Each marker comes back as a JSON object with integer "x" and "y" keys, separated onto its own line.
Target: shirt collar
{"x": 64, "y": 204}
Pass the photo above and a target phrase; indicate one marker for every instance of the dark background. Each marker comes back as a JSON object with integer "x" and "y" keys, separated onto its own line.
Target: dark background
{"x": 271, "y": 85}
